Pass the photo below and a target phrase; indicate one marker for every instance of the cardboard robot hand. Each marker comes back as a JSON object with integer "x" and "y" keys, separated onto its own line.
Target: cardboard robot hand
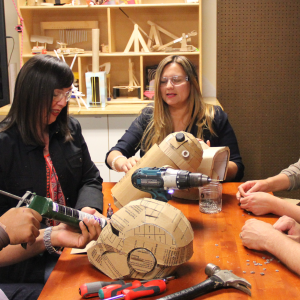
{"x": 145, "y": 239}
{"x": 179, "y": 150}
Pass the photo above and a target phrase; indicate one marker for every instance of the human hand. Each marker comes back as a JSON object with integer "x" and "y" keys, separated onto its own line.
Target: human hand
{"x": 251, "y": 187}
{"x": 288, "y": 225}
{"x": 259, "y": 203}
{"x": 255, "y": 234}
{"x": 124, "y": 165}
{"x": 67, "y": 236}
{"x": 92, "y": 211}
{"x": 203, "y": 144}
{"x": 22, "y": 225}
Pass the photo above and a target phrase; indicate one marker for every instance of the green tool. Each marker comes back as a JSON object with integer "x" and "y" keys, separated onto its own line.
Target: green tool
{"x": 54, "y": 211}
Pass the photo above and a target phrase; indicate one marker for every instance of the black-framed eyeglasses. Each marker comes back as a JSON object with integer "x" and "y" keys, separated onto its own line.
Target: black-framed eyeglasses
{"x": 175, "y": 80}
{"x": 58, "y": 96}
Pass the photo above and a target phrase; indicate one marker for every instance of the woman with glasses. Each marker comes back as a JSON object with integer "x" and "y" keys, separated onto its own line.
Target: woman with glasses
{"x": 42, "y": 150}
{"x": 178, "y": 106}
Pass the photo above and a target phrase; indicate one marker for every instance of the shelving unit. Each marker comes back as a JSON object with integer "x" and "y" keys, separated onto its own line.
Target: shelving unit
{"x": 115, "y": 30}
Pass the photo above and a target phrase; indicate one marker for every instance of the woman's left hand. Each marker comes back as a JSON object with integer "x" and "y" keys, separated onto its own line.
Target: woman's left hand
{"x": 67, "y": 236}
{"x": 206, "y": 145}
{"x": 259, "y": 203}
{"x": 92, "y": 211}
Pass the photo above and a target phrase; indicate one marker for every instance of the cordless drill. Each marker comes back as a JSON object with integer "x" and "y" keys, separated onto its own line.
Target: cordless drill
{"x": 160, "y": 182}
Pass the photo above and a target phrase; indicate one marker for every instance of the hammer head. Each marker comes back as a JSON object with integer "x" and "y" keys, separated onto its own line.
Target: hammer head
{"x": 228, "y": 278}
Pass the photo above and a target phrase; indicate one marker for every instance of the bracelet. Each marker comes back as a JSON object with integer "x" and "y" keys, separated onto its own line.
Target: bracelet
{"x": 114, "y": 161}
{"x": 47, "y": 242}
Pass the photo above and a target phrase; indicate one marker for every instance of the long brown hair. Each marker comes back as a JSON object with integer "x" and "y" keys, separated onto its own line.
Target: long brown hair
{"x": 33, "y": 97}
{"x": 160, "y": 124}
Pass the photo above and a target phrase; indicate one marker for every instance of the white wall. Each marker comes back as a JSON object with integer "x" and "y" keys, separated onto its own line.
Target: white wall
{"x": 11, "y": 20}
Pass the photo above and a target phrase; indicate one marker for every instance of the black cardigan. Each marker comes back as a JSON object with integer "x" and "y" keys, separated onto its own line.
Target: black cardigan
{"x": 129, "y": 143}
{"x": 23, "y": 168}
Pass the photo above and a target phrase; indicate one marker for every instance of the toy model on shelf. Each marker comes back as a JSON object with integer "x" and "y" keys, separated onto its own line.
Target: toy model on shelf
{"x": 40, "y": 39}
{"x": 63, "y": 49}
{"x": 133, "y": 83}
{"x": 135, "y": 39}
{"x": 183, "y": 40}
{"x": 154, "y": 43}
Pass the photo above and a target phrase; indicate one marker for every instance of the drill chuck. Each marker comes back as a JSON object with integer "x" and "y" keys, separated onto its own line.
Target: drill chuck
{"x": 187, "y": 179}
{"x": 199, "y": 179}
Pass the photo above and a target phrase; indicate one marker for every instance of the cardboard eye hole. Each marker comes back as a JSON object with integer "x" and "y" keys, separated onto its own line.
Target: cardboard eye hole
{"x": 142, "y": 260}
{"x": 185, "y": 153}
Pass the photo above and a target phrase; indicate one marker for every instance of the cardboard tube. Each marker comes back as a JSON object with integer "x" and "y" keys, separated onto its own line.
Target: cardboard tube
{"x": 95, "y": 49}
{"x": 12, "y": 71}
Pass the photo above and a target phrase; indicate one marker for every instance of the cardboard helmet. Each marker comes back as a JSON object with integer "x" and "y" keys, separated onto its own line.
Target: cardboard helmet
{"x": 145, "y": 239}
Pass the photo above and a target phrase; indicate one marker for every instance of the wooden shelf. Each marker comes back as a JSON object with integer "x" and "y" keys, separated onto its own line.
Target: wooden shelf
{"x": 116, "y": 29}
{"x": 67, "y": 7}
{"x": 113, "y": 108}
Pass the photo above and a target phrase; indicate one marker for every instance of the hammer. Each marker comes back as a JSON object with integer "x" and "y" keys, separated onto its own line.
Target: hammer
{"x": 218, "y": 279}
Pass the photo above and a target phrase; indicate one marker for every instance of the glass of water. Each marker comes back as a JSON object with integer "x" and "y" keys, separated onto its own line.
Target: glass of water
{"x": 210, "y": 198}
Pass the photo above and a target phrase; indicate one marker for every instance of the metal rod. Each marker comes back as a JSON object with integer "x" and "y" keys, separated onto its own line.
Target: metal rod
{"x": 10, "y": 195}
{"x": 137, "y": 25}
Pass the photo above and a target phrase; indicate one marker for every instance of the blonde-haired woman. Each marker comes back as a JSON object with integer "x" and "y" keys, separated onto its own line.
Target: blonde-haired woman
{"x": 178, "y": 106}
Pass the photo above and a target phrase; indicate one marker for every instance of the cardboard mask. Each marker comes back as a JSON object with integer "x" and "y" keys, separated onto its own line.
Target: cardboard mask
{"x": 146, "y": 239}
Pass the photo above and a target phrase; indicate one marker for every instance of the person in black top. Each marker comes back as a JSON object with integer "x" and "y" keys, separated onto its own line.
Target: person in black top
{"x": 178, "y": 106}
{"x": 42, "y": 150}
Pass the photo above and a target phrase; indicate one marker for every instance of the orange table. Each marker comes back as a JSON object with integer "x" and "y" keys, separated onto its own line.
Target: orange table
{"x": 216, "y": 241}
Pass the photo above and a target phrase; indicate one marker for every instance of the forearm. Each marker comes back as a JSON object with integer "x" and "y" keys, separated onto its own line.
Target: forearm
{"x": 285, "y": 249}
{"x": 282, "y": 207}
{"x": 14, "y": 254}
{"x": 277, "y": 183}
{"x": 231, "y": 171}
{"x": 112, "y": 155}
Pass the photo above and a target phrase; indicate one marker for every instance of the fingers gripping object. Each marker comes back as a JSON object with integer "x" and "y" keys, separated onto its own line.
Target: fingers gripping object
{"x": 217, "y": 279}
{"x": 51, "y": 210}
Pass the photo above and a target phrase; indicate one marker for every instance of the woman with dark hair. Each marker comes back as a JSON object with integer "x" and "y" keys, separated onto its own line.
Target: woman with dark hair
{"x": 178, "y": 106}
{"x": 42, "y": 150}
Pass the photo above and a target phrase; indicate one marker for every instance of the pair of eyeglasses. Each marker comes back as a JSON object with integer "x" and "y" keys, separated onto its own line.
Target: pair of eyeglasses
{"x": 57, "y": 97}
{"x": 175, "y": 80}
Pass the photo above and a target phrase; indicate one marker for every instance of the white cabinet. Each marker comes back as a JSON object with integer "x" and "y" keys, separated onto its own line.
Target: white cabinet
{"x": 117, "y": 124}
{"x": 101, "y": 133}
{"x": 95, "y": 133}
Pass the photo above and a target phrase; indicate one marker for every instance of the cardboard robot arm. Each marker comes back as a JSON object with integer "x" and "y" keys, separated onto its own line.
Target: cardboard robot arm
{"x": 179, "y": 150}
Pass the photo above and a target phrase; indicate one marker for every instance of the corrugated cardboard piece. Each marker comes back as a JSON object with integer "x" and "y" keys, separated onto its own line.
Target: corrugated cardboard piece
{"x": 214, "y": 164}
{"x": 146, "y": 239}
{"x": 184, "y": 155}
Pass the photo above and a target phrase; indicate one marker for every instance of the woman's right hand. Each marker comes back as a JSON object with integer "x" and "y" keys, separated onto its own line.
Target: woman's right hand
{"x": 252, "y": 186}
{"x": 124, "y": 164}
{"x": 22, "y": 225}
